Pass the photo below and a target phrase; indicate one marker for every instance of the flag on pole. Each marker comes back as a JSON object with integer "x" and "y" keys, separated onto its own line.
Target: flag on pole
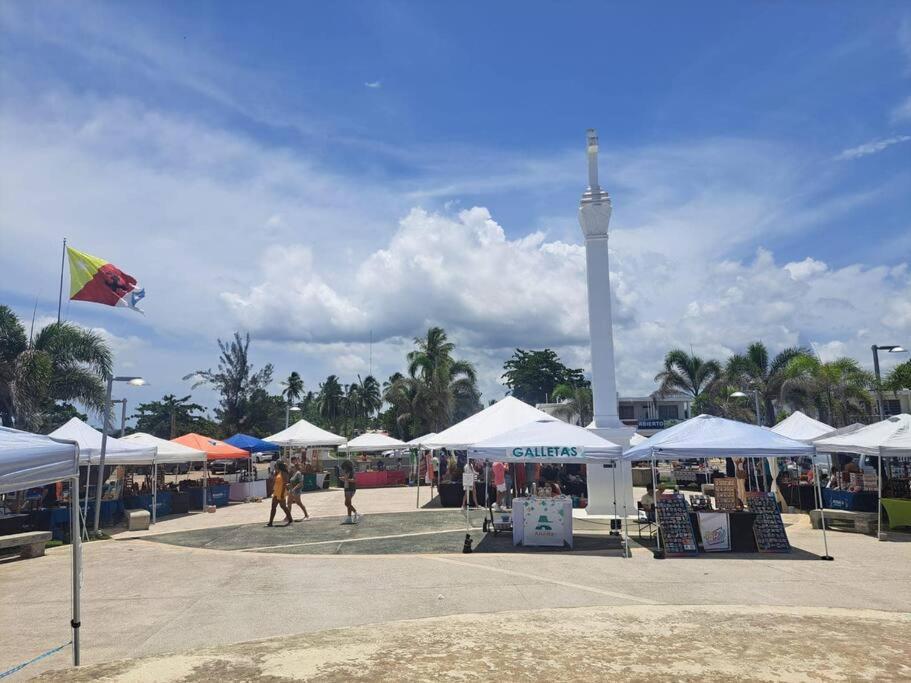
{"x": 94, "y": 279}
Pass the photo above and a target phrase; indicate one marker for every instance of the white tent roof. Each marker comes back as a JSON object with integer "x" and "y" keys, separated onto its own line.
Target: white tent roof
{"x": 507, "y": 413}
{"x": 29, "y": 460}
{"x": 372, "y": 442}
{"x": 421, "y": 440}
{"x": 714, "y": 437}
{"x": 168, "y": 451}
{"x": 898, "y": 446}
{"x": 801, "y": 427}
{"x": 867, "y": 440}
{"x": 303, "y": 433}
{"x": 546, "y": 441}
{"x": 634, "y": 440}
{"x": 117, "y": 452}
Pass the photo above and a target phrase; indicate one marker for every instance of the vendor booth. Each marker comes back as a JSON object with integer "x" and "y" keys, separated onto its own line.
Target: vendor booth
{"x": 214, "y": 491}
{"x": 381, "y": 474}
{"x": 162, "y": 500}
{"x": 117, "y": 453}
{"x": 895, "y": 478}
{"x": 795, "y": 486}
{"x": 248, "y": 484}
{"x": 544, "y": 519}
{"x": 744, "y": 521}
{"x": 30, "y": 461}
{"x": 310, "y": 439}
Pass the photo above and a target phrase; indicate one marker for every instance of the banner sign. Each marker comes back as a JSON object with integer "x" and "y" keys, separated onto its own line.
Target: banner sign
{"x": 549, "y": 452}
{"x": 715, "y": 530}
{"x": 545, "y": 522}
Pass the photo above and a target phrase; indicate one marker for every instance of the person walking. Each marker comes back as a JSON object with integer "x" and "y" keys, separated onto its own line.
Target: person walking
{"x": 296, "y": 486}
{"x": 279, "y": 491}
{"x": 350, "y": 487}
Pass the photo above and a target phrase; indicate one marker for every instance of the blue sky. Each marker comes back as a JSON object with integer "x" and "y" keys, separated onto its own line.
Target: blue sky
{"x": 317, "y": 172}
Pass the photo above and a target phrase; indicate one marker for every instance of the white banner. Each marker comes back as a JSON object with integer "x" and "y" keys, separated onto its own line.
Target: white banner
{"x": 715, "y": 530}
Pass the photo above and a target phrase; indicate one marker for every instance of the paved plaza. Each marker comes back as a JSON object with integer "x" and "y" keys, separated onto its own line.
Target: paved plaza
{"x": 327, "y": 602}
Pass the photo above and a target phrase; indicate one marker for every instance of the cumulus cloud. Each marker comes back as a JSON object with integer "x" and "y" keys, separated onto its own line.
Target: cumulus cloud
{"x": 374, "y": 85}
{"x": 874, "y": 146}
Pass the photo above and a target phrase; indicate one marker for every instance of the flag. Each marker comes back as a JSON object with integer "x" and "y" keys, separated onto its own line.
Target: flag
{"x": 94, "y": 279}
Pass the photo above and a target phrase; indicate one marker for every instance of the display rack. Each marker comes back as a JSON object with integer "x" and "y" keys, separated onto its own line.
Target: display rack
{"x": 726, "y": 493}
{"x": 676, "y": 527}
{"x": 767, "y": 527}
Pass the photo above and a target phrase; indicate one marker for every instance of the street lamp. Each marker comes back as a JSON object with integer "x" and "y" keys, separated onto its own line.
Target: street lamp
{"x": 740, "y": 394}
{"x": 889, "y": 348}
{"x": 288, "y": 410}
{"x": 132, "y": 381}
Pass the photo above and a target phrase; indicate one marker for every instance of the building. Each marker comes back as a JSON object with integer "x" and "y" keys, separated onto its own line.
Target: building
{"x": 646, "y": 414}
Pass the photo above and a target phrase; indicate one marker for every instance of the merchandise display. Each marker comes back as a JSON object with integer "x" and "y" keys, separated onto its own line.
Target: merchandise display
{"x": 767, "y": 527}
{"x": 726, "y": 493}
{"x": 676, "y": 528}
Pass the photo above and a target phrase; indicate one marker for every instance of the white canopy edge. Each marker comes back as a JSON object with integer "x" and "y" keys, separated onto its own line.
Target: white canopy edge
{"x": 30, "y": 460}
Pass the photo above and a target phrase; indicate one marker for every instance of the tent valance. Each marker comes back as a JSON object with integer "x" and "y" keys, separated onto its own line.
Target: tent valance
{"x": 303, "y": 433}
{"x": 213, "y": 448}
{"x": 167, "y": 451}
{"x": 29, "y": 460}
{"x": 546, "y": 441}
{"x": 706, "y": 436}
{"x": 117, "y": 452}
{"x": 504, "y": 415}
{"x": 371, "y": 443}
{"x": 867, "y": 440}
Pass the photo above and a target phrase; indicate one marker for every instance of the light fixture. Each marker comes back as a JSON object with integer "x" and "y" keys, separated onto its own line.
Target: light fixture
{"x": 738, "y": 394}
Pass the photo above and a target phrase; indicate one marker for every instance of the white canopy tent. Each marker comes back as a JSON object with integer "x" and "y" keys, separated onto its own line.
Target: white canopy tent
{"x": 421, "y": 440}
{"x": 801, "y": 427}
{"x": 706, "y": 436}
{"x": 507, "y": 413}
{"x": 635, "y": 439}
{"x": 30, "y": 460}
{"x": 546, "y": 441}
{"x": 166, "y": 452}
{"x": 117, "y": 451}
{"x": 899, "y": 446}
{"x": 372, "y": 442}
{"x": 305, "y": 434}
{"x": 866, "y": 440}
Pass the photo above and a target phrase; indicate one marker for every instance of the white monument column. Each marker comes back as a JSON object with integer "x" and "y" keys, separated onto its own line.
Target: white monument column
{"x": 594, "y": 217}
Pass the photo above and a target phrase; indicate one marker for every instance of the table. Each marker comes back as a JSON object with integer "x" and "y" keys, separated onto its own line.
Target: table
{"x": 800, "y": 496}
{"x": 242, "y": 490}
{"x": 898, "y": 510}
{"x": 376, "y": 479}
{"x": 542, "y": 521}
{"x": 862, "y": 501}
{"x": 218, "y": 495}
{"x": 12, "y": 523}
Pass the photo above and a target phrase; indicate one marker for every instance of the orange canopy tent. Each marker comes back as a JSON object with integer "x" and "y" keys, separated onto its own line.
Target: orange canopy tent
{"x": 213, "y": 448}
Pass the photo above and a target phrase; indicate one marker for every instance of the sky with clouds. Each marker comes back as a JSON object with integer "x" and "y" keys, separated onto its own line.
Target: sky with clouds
{"x": 326, "y": 174}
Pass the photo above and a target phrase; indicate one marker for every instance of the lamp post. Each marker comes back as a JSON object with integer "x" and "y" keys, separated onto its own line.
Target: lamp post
{"x": 740, "y": 394}
{"x": 288, "y": 409}
{"x": 136, "y": 382}
{"x": 889, "y": 348}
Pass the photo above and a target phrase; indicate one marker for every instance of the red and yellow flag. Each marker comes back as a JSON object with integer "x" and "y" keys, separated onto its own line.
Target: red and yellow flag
{"x": 94, "y": 279}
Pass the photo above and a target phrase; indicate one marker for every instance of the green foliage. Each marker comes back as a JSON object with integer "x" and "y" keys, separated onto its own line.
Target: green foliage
{"x": 172, "y": 417}
{"x": 533, "y": 376}
{"x": 688, "y": 374}
{"x": 899, "y": 377}
{"x": 59, "y": 414}
{"x": 839, "y": 391}
{"x": 63, "y": 362}
{"x": 576, "y": 403}
{"x": 756, "y": 371}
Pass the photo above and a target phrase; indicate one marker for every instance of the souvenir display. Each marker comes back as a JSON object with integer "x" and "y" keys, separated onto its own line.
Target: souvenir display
{"x": 676, "y": 529}
{"x": 700, "y": 503}
{"x": 726, "y": 493}
{"x": 767, "y": 527}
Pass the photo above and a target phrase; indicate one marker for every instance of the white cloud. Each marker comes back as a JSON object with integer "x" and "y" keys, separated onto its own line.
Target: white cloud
{"x": 902, "y": 112}
{"x": 375, "y": 85}
{"x": 802, "y": 270}
{"x": 874, "y": 146}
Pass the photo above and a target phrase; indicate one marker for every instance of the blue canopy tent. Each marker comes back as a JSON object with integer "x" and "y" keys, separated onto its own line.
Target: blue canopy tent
{"x": 253, "y": 445}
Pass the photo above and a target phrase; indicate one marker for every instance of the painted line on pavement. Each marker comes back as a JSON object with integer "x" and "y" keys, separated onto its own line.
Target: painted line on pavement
{"x": 352, "y": 540}
{"x": 565, "y": 584}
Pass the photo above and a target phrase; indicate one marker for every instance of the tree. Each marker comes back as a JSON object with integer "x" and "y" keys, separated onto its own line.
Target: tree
{"x": 717, "y": 401}
{"x": 172, "y": 417}
{"x": 899, "y": 377}
{"x": 400, "y": 392}
{"x": 293, "y": 388}
{"x": 837, "y": 390}
{"x": 533, "y": 376}
{"x": 687, "y": 374}
{"x": 330, "y": 401}
{"x": 237, "y": 383}
{"x": 447, "y": 388}
{"x": 576, "y": 404}
{"x": 754, "y": 370}
{"x": 63, "y": 362}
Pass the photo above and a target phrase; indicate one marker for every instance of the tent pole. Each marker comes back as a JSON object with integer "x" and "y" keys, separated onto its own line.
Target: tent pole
{"x": 76, "y": 542}
{"x": 655, "y": 503}
{"x": 626, "y": 487}
{"x": 417, "y": 504}
{"x": 822, "y": 514}
{"x": 154, "y": 492}
{"x": 88, "y": 480}
{"x": 879, "y": 497}
{"x": 614, "y": 481}
{"x": 205, "y": 476}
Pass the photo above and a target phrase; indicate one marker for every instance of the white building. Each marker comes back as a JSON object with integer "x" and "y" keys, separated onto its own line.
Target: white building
{"x": 645, "y": 414}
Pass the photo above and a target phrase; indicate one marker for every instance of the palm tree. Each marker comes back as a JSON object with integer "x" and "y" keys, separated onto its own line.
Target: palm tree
{"x": 575, "y": 403}
{"x": 447, "y": 387}
{"x": 293, "y": 388}
{"x": 371, "y": 398}
{"x": 718, "y": 401}
{"x": 687, "y": 374}
{"x": 753, "y": 369}
{"x": 330, "y": 400}
{"x": 63, "y": 362}
{"x": 838, "y": 390}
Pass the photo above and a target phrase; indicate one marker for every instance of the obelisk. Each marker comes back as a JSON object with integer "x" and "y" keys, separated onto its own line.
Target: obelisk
{"x": 594, "y": 217}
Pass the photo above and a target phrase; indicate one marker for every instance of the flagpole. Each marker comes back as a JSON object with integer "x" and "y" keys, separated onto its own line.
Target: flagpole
{"x": 60, "y": 294}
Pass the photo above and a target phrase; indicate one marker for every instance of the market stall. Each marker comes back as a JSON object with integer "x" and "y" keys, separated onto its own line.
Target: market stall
{"x": 214, "y": 491}
{"x": 162, "y": 500}
{"x": 118, "y": 453}
{"x": 29, "y": 461}
{"x": 737, "y": 510}
{"x": 248, "y": 484}
{"x": 544, "y": 519}
{"x": 895, "y": 479}
{"x": 310, "y": 439}
{"x": 380, "y": 474}
{"x": 795, "y": 485}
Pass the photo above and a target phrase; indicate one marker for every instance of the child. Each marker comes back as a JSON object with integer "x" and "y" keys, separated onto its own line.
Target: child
{"x": 348, "y": 483}
{"x": 279, "y": 492}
